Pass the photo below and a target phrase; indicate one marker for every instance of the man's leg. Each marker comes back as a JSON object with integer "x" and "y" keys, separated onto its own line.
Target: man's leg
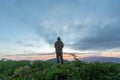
{"x": 61, "y": 57}
{"x": 57, "y": 56}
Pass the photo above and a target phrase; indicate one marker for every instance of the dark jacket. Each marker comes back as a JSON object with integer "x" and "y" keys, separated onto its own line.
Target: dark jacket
{"x": 58, "y": 45}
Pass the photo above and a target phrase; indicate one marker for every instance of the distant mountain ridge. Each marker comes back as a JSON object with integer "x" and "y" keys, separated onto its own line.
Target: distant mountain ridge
{"x": 93, "y": 59}
{"x": 67, "y": 56}
{"x": 55, "y": 60}
{"x": 100, "y": 59}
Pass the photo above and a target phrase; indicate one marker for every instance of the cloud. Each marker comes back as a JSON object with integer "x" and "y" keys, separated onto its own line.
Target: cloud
{"x": 98, "y": 30}
{"x": 67, "y": 31}
{"x": 101, "y": 38}
{"x": 82, "y": 24}
{"x": 29, "y": 45}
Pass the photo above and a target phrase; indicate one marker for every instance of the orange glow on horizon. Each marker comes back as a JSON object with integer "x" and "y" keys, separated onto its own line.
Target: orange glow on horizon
{"x": 111, "y": 54}
{"x": 67, "y": 56}
{"x": 45, "y": 57}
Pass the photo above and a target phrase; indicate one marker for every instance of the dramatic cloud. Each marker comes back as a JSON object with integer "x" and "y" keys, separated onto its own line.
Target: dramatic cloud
{"x": 101, "y": 38}
{"x": 99, "y": 29}
{"x": 82, "y": 24}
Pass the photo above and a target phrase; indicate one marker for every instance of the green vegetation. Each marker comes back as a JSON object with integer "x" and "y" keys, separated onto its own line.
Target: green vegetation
{"x": 43, "y": 70}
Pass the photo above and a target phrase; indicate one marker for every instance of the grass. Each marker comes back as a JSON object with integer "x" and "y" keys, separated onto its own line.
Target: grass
{"x": 43, "y": 70}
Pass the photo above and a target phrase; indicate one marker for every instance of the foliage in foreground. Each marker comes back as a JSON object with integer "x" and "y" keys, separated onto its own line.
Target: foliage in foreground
{"x": 42, "y": 70}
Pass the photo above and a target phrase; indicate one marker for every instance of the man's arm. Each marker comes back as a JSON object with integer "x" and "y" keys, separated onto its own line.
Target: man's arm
{"x": 55, "y": 45}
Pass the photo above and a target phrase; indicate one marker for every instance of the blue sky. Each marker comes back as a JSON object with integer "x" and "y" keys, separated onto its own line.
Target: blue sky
{"x": 32, "y": 26}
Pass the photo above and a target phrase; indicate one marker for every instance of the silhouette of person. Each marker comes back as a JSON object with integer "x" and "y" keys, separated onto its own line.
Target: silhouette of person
{"x": 58, "y": 48}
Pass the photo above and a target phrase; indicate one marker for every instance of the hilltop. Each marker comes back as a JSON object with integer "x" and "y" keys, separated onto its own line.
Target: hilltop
{"x": 44, "y": 70}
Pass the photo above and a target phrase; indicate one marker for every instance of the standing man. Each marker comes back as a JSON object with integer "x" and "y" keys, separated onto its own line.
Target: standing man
{"x": 58, "y": 48}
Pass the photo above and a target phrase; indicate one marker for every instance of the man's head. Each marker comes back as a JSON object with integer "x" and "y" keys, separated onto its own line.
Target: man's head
{"x": 58, "y": 39}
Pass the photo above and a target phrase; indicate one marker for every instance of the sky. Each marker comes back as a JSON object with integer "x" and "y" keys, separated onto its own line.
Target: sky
{"x": 32, "y": 26}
